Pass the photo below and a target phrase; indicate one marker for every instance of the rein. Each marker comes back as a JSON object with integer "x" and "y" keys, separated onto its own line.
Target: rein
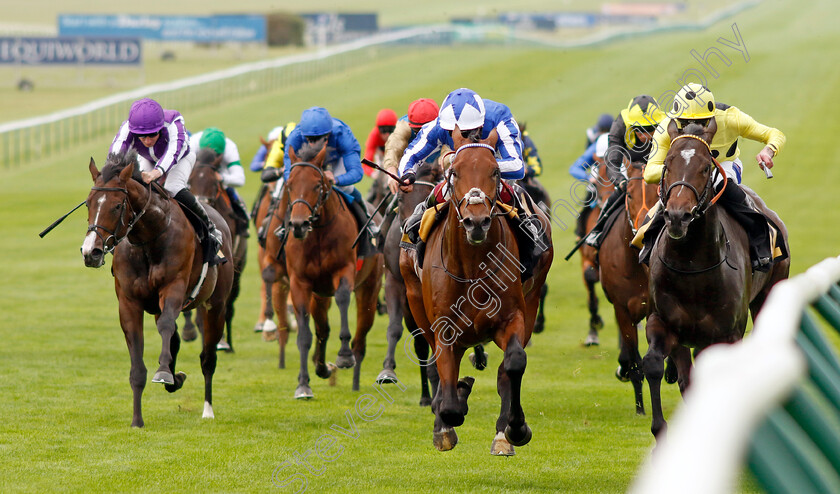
{"x": 126, "y": 205}
{"x": 640, "y": 216}
{"x": 703, "y": 203}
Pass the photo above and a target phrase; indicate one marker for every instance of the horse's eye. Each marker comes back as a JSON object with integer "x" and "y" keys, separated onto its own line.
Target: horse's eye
{"x": 118, "y": 207}
{"x": 316, "y": 188}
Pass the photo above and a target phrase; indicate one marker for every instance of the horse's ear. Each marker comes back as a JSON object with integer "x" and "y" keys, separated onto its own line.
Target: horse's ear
{"x": 292, "y": 156}
{"x": 709, "y": 132}
{"x": 264, "y": 142}
{"x": 319, "y": 158}
{"x": 673, "y": 131}
{"x": 94, "y": 173}
{"x": 457, "y": 139}
{"x": 218, "y": 160}
{"x": 492, "y": 139}
{"x": 126, "y": 173}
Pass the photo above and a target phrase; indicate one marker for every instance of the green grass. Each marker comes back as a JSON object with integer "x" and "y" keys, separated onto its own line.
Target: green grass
{"x": 65, "y": 401}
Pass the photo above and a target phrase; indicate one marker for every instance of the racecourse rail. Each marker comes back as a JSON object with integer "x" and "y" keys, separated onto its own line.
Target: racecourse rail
{"x": 25, "y": 141}
{"x": 771, "y": 401}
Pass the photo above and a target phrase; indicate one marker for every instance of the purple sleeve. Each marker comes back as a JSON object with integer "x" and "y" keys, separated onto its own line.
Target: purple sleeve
{"x": 122, "y": 141}
{"x": 178, "y": 144}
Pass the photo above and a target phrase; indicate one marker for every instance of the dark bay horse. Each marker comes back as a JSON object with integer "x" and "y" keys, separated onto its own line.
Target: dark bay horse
{"x": 159, "y": 269}
{"x": 625, "y": 280}
{"x": 321, "y": 263}
{"x": 206, "y": 185}
{"x": 702, "y": 288}
{"x": 469, "y": 291}
{"x": 589, "y": 255}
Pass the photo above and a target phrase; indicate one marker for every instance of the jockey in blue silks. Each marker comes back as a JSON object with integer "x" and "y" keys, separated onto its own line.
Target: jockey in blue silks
{"x": 342, "y": 164}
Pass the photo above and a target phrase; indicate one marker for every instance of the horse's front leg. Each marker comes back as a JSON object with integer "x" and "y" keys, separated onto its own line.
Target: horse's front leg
{"x": 343, "y": 287}
{"x": 319, "y": 308}
{"x": 516, "y": 432}
{"x": 214, "y": 324}
{"x": 395, "y": 300}
{"x": 629, "y": 359}
{"x": 131, "y": 321}
{"x": 450, "y": 402}
{"x": 367, "y": 294}
{"x": 653, "y": 366}
{"x": 171, "y": 299}
{"x": 301, "y": 296}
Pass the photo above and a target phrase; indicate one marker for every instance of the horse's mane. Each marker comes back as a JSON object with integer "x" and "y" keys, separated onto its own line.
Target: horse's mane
{"x": 694, "y": 129}
{"x": 308, "y": 152}
{"x": 205, "y": 156}
{"x": 116, "y": 162}
{"x": 429, "y": 171}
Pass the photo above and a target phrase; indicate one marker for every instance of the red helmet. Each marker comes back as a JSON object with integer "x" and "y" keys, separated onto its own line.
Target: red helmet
{"x": 386, "y": 118}
{"x": 422, "y": 111}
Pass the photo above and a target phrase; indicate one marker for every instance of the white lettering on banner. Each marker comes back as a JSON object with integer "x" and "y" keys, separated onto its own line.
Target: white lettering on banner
{"x": 43, "y": 51}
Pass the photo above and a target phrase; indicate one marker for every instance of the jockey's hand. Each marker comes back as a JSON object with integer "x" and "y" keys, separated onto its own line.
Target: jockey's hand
{"x": 149, "y": 177}
{"x": 218, "y": 176}
{"x": 330, "y": 177}
{"x": 407, "y": 180}
{"x": 393, "y": 186}
{"x": 766, "y": 157}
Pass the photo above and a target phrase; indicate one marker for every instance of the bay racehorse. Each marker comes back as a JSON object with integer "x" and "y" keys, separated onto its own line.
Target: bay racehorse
{"x": 206, "y": 185}
{"x": 159, "y": 269}
{"x": 469, "y": 291}
{"x": 589, "y": 255}
{"x": 625, "y": 280}
{"x": 702, "y": 288}
{"x": 321, "y": 263}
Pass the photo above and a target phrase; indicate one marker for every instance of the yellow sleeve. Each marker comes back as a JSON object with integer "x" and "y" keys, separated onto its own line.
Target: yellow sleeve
{"x": 659, "y": 149}
{"x": 396, "y": 144}
{"x": 275, "y": 155}
{"x": 749, "y": 128}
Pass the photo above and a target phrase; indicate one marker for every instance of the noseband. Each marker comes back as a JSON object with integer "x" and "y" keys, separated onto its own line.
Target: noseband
{"x": 112, "y": 234}
{"x": 475, "y": 195}
{"x": 703, "y": 202}
{"x": 323, "y": 195}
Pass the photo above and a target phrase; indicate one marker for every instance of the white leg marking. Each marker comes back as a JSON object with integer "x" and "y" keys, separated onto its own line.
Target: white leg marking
{"x": 208, "y": 411}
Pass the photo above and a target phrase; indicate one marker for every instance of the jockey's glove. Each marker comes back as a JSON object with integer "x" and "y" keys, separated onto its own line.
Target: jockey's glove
{"x": 408, "y": 177}
{"x": 271, "y": 174}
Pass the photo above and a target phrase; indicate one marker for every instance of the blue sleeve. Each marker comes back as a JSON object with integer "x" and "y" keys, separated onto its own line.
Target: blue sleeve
{"x": 295, "y": 140}
{"x": 580, "y": 168}
{"x": 350, "y": 151}
{"x": 509, "y": 148}
{"x": 259, "y": 159}
{"x": 426, "y": 142}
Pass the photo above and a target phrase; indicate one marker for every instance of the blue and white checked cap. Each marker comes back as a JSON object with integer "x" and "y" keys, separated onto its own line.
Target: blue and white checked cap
{"x": 462, "y": 107}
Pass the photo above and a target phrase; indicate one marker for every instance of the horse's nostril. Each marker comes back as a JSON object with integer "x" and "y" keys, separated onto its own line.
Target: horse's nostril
{"x": 468, "y": 223}
{"x": 485, "y": 223}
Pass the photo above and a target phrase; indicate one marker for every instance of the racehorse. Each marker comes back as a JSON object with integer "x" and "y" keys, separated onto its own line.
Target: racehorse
{"x": 469, "y": 291}
{"x": 625, "y": 280}
{"x": 321, "y": 263}
{"x": 539, "y": 194}
{"x": 205, "y": 184}
{"x": 589, "y": 255}
{"x": 701, "y": 286}
{"x": 160, "y": 269}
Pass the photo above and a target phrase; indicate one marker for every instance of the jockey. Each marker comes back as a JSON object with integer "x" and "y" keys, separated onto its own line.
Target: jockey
{"x": 602, "y": 126}
{"x": 280, "y": 132}
{"x": 386, "y": 122}
{"x": 585, "y": 169}
{"x": 476, "y": 118}
{"x": 160, "y": 138}
{"x": 694, "y": 103}
{"x": 533, "y": 163}
{"x": 343, "y": 156}
{"x": 420, "y": 112}
{"x": 630, "y": 138}
{"x": 270, "y": 165}
{"x": 231, "y": 171}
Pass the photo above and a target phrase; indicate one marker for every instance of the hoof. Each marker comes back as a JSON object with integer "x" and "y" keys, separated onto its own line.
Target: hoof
{"x": 189, "y": 333}
{"x": 501, "y": 446}
{"x": 180, "y": 377}
{"x": 303, "y": 393}
{"x": 223, "y": 346}
{"x": 623, "y": 378}
{"x": 592, "y": 339}
{"x": 322, "y": 371}
{"x": 258, "y": 327}
{"x": 208, "y": 411}
{"x": 481, "y": 363}
{"x": 518, "y": 441}
{"x": 269, "y": 336}
{"x": 425, "y": 401}
{"x": 333, "y": 373}
{"x": 445, "y": 439}
{"x": 387, "y": 376}
{"x": 345, "y": 361}
{"x": 539, "y": 326}
{"x": 164, "y": 377}
{"x": 596, "y": 323}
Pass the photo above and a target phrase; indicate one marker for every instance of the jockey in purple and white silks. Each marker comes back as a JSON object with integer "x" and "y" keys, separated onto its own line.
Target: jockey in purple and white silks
{"x": 160, "y": 138}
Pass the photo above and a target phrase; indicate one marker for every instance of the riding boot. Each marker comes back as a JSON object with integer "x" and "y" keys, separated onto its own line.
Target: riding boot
{"x": 529, "y": 231}
{"x": 734, "y": 200}
{"x": 240, "y": 212}
{"x": 594, "y": 238}
{"x": 411, "y": 226}
{"x": 656, "y": 224}
{"x": 213, "y": 242}
{"x": 366, "y": 235}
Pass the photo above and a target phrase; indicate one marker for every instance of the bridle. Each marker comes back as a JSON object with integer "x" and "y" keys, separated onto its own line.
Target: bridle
{"x": 703, "y": 201}
{"x": 323, "y": 193}
{"x": 126, "y": 205}
{"x": 219, "y": 188}
{"x": 636, "y": 222}
{"x": 475, "y": 195}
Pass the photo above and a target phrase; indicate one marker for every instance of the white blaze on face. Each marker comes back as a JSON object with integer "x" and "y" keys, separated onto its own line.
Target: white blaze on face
{"x": 90, "y": 239}
{"x": 687, "y": 154}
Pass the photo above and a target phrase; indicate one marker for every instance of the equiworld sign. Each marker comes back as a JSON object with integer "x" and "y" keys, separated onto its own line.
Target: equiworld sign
{"x": 71, "y": 51}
